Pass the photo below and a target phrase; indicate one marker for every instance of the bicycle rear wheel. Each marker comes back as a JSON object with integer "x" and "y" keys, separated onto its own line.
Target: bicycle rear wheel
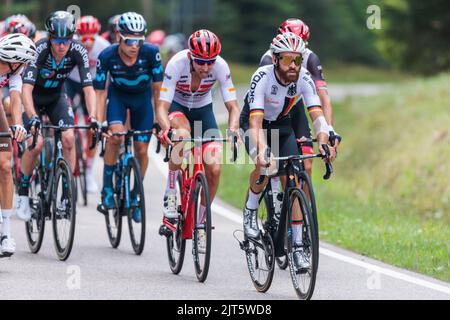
{"x": 34, "y": 228}
{"x": 113, "y": 217}
{"x": 176, "y": 245}
{"x": 80, "y": 166}
{"x": 201, "y": 238}
{"x": 64, "y": 210}
{"x": 136, "y": 211}
{"x": 303, "y": 278}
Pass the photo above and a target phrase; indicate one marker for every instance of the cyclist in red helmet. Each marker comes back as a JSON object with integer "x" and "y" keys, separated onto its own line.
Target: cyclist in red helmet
{"x": 185, "y": 105}
{"x": 88, "y": 29}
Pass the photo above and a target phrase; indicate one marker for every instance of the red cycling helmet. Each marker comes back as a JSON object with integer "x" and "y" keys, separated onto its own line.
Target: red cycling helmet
{"x": 88, "y": 25}
{"x": 204, "y": 44}
{"x": 296, "y": 26}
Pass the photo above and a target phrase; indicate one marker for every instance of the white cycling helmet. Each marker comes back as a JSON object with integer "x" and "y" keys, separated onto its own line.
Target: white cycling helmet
{"x": 17, "y": 48}
{"x": 288, "y": 42}
{"x": 132, "y": 23}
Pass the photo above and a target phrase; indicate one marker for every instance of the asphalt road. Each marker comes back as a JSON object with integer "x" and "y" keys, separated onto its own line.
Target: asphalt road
{"x": 96, "y": 271}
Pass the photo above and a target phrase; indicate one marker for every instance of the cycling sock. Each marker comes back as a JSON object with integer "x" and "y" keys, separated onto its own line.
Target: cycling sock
{"x": 171, "y": 181}
{"x": 275, "y": 182}
{"x": 24, "y": 185}
{"x": 6, "y": 214}
{"x": 297, "y": 228}
{"x": 107, "y": 176}
{"x": 253, "y": 200}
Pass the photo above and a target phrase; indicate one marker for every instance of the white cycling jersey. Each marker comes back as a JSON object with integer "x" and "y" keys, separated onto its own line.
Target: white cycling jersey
{"x": 11, "y": 83}
{"x": 99, "y": 45}
{"x": 177, "y": 82}
{"x": 269, "y": 97}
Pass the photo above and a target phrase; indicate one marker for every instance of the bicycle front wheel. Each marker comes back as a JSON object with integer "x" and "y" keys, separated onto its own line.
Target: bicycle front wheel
{"x": 63, "y": 210}
{"x": 81, "y": 166}
{"x": 201, "y": 238}
{"x": 136, "y": 212}
{"x": 176, "y": 245}
{"x": 302, "y": 248}
{"x": 34, "y": 228}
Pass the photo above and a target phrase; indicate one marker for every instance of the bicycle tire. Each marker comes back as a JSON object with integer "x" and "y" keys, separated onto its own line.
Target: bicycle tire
{"x": 310, "y": 246}
{"x": 81, "y": 166}
{"x": 137, "y": 238}
{"x": 64, "y": 170}
{"x": 201, "y": 192}
{"x": 176, "y": 245}
{"x": 253, "y": 263}
{"x": 113, "y": 217}
{"x": 35, "y": 228}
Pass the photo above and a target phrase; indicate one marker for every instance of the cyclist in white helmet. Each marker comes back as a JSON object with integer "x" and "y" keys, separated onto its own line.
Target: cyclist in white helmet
{"x": 275, "y": 89}
{"x": 16, "y": 51}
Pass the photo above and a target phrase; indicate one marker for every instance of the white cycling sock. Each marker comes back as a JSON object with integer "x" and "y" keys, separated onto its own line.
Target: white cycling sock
{"x": 253, "y": 200}
{"x": 297, "y": 228}
{"x": 6, "y": 214}
{"x": 171, "y": 181}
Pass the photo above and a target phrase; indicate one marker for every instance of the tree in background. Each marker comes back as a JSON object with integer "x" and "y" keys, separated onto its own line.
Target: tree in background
{"x": 415, "y": 34}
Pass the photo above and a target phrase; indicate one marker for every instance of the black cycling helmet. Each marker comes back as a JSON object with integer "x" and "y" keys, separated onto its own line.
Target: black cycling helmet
{"x": 60, "y": 24}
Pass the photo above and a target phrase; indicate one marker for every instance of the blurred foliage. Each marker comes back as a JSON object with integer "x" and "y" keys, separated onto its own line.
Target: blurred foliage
{"x": 414, "y": 34}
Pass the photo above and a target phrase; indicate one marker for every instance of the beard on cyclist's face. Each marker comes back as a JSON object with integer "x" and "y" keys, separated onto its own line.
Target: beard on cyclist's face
{"x": 288, "y": 68}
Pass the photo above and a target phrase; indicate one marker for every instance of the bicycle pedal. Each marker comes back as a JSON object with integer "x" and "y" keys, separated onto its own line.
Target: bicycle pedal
{"x": 102, "y": 209}
{"x": 164, "y": 231}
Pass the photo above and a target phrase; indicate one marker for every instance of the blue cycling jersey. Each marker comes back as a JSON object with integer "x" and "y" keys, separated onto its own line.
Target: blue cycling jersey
{"x": 129, "y": 79}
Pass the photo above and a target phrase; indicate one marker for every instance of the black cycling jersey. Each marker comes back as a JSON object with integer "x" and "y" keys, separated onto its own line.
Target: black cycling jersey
{"x": 46, "y": 74}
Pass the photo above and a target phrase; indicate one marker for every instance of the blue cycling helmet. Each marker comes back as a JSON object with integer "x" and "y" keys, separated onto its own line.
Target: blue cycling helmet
{"x": 60, "y": 24}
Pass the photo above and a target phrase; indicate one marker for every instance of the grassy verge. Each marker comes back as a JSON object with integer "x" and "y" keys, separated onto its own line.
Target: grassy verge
{"x": 333, "y": 73}
{"x": 389, "y": 197}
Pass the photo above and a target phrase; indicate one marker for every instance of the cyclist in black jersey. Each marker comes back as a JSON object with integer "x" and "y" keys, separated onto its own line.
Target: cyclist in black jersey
{"x": 43, "y": 92}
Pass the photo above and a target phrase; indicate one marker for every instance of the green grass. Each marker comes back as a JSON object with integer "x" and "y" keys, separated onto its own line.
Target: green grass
{"x": 389, "y": 197}
{"x": 333, "y": 74}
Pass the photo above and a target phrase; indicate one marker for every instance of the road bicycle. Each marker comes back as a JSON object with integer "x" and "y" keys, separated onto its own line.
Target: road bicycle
{"x": 192, "y": 192}
{"x": 276, "y": 235}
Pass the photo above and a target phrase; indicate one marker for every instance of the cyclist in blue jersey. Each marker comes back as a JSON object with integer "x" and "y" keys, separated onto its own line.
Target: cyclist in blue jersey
{"x": 135, "y": 75}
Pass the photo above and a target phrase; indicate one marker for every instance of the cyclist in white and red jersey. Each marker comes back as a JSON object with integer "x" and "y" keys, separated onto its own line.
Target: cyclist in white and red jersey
{"x": 16, "y": 51}
{"x": 88, "y": 29}
{"x": 185, "y": 105}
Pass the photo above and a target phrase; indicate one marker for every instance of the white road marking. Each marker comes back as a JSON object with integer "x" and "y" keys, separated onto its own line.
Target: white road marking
{"x": 163, "y": 169}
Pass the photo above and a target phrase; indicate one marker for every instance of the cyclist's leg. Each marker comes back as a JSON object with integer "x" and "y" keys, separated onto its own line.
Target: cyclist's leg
{"x": 61, "y": 114}
{"x": 116, "y": 117}
{"x": 6, "y": 102}
{"x": 7, "y": 244}
{"x": 212, "y": 151}
{"x": 179, "y": 122}
{"x": 141, "y": 118}
{"x": 302, "y": 130}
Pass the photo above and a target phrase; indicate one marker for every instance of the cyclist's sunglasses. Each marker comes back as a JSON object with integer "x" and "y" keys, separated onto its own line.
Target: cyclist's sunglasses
{"x": 202, "y": 62}
{"x": 58, "y": 41}
{"x": 286, "y": 61}
{"x": 133, "y": 41}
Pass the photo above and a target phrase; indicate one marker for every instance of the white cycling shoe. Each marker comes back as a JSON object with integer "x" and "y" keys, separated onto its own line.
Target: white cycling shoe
{"x": 7, "y": 246}
{"x": 23, "y": 210}
{"x": 170, "y": 206}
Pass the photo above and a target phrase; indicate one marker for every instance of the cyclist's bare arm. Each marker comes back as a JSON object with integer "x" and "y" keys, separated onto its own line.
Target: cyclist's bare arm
{"x": 90, "y": 95}
{"x": 162, "y": 114}
{"x": 101, "y": 104}
{"x": 256, "y": 132}
{"x": 27, "y": 99}
{"x": 16, "y": 107}
{"x": 156, "y": 89}
{"x": 321, "y": 129}
{"x": 233, "y": 114}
